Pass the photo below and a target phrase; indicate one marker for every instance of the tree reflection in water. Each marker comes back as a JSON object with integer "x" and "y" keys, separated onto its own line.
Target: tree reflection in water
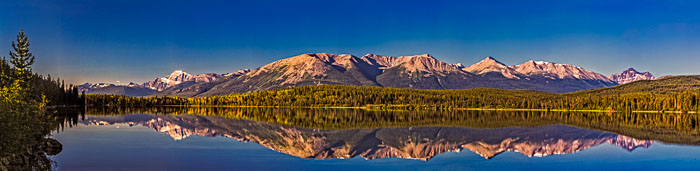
{"x": 346, "y": 133}
{"x": 24, "y": 136}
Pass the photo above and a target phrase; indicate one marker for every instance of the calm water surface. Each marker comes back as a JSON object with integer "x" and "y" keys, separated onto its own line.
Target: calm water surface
{"x": 316, "y": 139}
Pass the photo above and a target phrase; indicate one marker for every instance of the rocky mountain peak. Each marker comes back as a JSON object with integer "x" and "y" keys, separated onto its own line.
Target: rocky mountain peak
{"x": 424, "y": 56}
{"x": 306, "y": 67}
{"x": 631, "y": 75}
{"x": 459, "y": 65}
{"x": 488, "y": 65}
{"x": 633, "y": 71}
{"x": 489, "y": 58}
{"x": 428, "y": 64}
{"x": 133, "y": 84}
{"x": 336, "y": 59}
{"x": 237, "y": 73}
{"x": 385, "y": 61}
{"x": 177, "y": 77}
{"x": 206, "y": 77}
{"x": 492, "y": 61}
{"x": 558, "y": 71}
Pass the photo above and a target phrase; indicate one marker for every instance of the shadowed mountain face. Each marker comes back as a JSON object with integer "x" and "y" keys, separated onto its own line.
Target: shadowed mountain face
{"x": 421, "y": 143}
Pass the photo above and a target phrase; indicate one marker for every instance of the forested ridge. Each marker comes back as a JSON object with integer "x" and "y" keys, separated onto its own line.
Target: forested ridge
{"x": 681, "y": 93}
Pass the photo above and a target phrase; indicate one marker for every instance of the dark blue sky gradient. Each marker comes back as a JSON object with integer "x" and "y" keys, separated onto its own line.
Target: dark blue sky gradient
{"x": 125, "y": 40}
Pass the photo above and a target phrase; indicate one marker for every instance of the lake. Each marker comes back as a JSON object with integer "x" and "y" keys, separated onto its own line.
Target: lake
{"x": 179, "y": 138}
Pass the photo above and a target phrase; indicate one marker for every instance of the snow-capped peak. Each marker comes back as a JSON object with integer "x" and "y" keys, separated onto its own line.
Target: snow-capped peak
{"x": 558, "y": 71}
{"x": 178, "y": 77}
{"x": 631, "y": 75}
{"x": 459, "y": 65}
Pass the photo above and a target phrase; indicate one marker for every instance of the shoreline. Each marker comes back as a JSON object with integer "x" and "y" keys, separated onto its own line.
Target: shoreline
{"x": 456, "y": 109}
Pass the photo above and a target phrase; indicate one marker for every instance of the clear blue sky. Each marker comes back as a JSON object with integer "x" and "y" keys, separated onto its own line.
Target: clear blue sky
{"x": 138, "y": 40}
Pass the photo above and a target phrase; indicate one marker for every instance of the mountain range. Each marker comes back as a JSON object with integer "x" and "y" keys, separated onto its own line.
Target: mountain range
{"x": 178, "y": 77}
{"x": 419, "y": 72}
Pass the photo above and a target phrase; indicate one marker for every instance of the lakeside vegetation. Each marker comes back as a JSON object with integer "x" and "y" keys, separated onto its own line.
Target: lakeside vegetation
{"x": 24, "y": 123}
{"x": 680, "y": 93}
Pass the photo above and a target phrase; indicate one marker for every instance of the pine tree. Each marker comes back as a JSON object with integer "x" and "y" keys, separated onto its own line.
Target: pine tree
{"x": 22, "y": 60}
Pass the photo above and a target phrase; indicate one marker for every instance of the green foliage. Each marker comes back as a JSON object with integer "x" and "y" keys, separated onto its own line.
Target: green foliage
{"x": 55, "y": 92}
{"x": 678, "y": 98}
{"x": 10, "y": 87}
{"x": 23, "y": 131}
{"x": 334, "y": 96}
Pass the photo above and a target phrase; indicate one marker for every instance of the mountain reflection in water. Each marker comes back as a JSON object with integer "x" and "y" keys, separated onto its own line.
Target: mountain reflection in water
{"x": 421, "y": 143}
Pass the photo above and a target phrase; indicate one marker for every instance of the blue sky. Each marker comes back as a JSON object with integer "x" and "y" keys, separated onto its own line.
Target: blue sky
{"x": 138, "y": 40}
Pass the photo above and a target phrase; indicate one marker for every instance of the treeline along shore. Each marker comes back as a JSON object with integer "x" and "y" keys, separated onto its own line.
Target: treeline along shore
{"x": 678, "y": 94}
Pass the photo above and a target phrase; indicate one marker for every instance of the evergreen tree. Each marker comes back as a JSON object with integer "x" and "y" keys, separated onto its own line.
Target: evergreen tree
{"x": 22, "y": 60}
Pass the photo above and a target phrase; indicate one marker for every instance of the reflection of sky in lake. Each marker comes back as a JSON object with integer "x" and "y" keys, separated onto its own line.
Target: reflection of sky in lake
{"x": 141, "y": 148}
